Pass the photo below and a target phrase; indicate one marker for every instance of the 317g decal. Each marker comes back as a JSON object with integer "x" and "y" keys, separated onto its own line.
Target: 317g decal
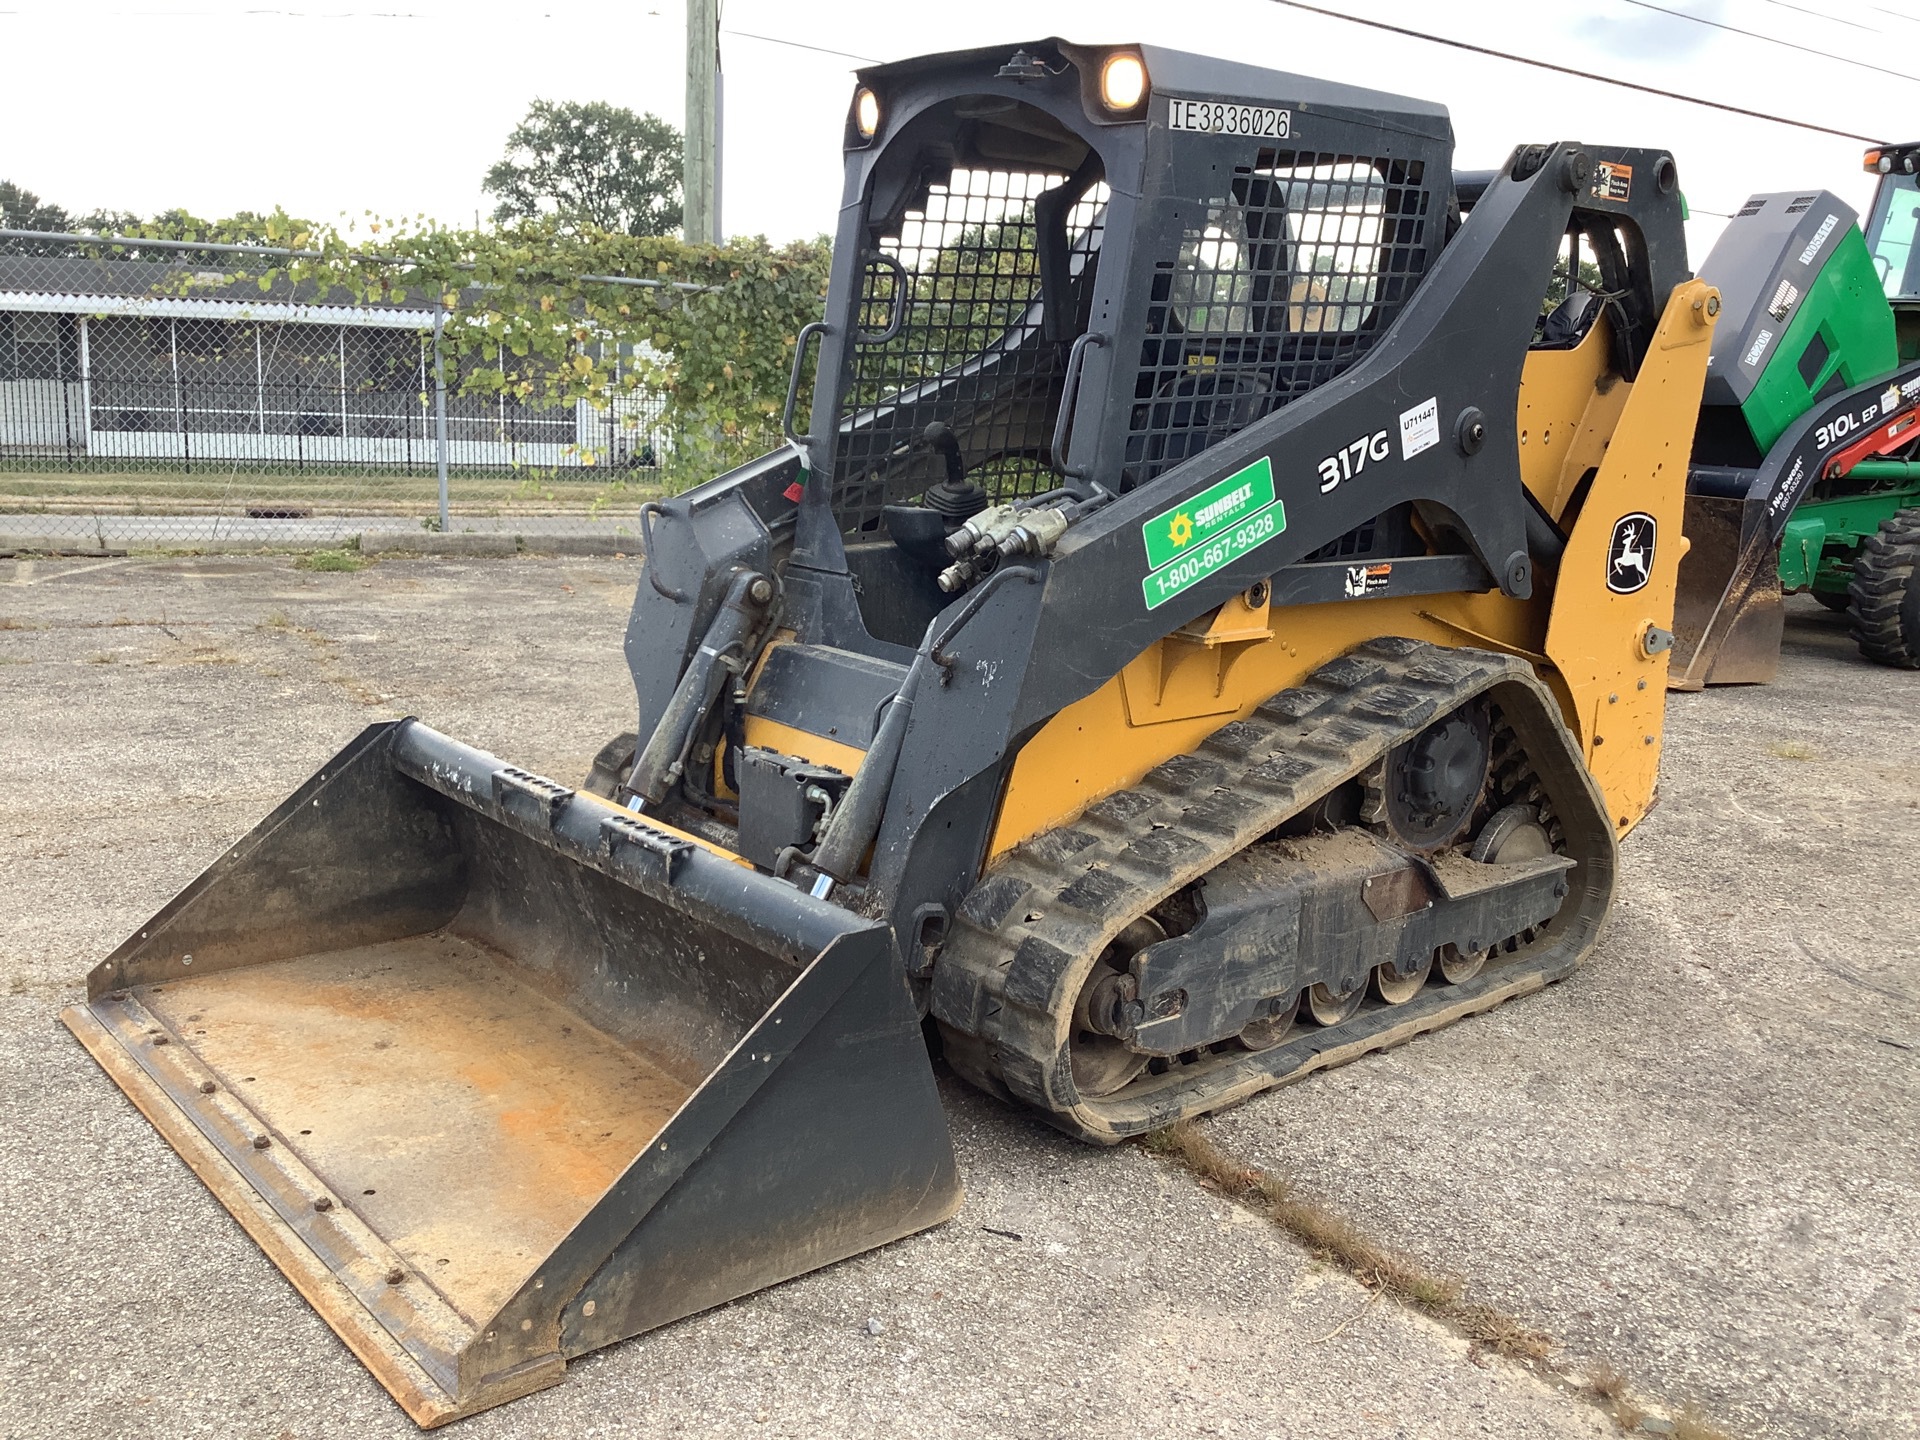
{"x": 1350, "y": 459}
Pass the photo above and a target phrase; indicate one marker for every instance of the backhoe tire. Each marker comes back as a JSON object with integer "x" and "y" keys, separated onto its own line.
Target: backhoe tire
{"x": 1884, "y": 598}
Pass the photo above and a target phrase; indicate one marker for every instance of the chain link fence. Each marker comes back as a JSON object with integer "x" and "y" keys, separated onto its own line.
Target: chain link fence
{"x": 167, "y": 395}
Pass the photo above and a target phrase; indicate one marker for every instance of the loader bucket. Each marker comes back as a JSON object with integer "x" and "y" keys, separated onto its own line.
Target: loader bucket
{"x": 1728, "y": 615}
{"x": 498, "y": 1073}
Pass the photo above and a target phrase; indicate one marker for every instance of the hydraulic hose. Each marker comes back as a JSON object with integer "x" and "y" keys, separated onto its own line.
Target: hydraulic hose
{"x": 663, "y": 758}
{"x": 857, "y": 821}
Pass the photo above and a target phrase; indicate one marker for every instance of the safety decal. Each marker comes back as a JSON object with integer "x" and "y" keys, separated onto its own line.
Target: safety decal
{"x": 1630, "y": 556}
{"x": 1365, "y": 580}
{"x": 1191, "y": 540}
{"x": 1612, "y": 181}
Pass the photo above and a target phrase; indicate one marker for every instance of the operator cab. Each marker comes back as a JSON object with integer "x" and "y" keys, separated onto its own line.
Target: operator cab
{"x": 1064, "y": 270}
{"x": 1893, "y": 236}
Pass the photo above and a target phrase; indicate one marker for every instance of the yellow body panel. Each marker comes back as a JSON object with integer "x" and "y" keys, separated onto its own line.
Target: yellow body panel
{"x": 786, "y": 739}
{"x": 1597, "y": 640}
{"x": 1585, "y": 641}
{"x": 1106, "y": 742}
{"x": 1570, "y": 404}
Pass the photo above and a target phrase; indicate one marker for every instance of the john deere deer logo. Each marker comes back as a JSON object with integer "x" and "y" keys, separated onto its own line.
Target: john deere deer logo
{"x": 1630, "y": 556}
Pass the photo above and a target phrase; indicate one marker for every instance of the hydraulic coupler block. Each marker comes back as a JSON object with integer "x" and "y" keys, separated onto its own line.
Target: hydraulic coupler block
{"x": 1003, "y": 532}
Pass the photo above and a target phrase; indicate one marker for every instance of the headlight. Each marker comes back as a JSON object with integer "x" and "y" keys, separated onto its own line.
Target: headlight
{"x": 1123, "y": 82}
{"x": 866, "y": 113}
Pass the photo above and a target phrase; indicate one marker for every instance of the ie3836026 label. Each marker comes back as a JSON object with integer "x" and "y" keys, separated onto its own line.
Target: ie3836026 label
{"x": 1217, "y": 117}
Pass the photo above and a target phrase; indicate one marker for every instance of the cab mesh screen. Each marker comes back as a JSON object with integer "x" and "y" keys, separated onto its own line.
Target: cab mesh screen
{"x": 961, "y": 274}
{"x": 1287, "y": 281}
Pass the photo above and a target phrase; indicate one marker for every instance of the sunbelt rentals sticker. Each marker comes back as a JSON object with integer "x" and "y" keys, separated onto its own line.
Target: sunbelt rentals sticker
{"x": 1190, "y": 541}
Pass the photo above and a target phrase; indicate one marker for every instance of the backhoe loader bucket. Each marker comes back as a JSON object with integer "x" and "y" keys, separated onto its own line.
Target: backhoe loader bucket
{"x": 498, "y": 1073}
{"x": 1728, "y": 615}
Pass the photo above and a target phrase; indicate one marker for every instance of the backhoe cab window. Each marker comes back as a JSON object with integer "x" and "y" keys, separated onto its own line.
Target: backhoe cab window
{"x": 960, "y": 275}
{"x": 1891, "y": 236}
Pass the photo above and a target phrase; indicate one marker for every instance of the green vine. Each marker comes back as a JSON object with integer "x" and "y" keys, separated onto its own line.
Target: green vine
{"x": 526, "y": 319}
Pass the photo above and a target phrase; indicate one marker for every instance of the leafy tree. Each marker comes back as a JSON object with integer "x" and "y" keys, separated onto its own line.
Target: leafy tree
{"x": 590, "y": 164}
{"x": 21, "y": 209}
{"x": 1586, "y": 276}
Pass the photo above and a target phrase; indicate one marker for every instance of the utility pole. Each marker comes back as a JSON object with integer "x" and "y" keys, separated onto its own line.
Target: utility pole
{"x": 700, "y": 181}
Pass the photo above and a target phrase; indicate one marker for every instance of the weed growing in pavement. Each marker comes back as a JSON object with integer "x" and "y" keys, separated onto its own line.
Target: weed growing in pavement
{"x": 1792, "y": 750}
{"x": 1609, "y": 1382}
{"x": 276, "y": 620}
{"x": 329, "y": 560}
{"x": 1689, "y": 1424}
{"x": 1609, "y": 1385}
{"x": 1336, "y": 1238}
{"x": 101, "y": 658}
{"x": 1339, "y": 1241}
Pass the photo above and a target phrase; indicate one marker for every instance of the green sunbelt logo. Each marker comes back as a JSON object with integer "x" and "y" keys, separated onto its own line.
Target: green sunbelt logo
{"x": 1197, "y": 537}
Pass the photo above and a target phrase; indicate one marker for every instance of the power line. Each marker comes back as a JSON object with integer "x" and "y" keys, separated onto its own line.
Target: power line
{"x": 1833, "y": 19}
{"x": 1569, "y": 70}
{"x": 796, "y": 45}
{"x": 1771, "y": 40}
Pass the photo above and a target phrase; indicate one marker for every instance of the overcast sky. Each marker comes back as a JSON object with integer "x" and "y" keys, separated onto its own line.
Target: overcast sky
{"x": 399, "y": 106}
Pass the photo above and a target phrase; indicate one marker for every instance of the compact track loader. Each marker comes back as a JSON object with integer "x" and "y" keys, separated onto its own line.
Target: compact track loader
{"x": 1806, "y": 460}
{"x": 1207, "y": 630}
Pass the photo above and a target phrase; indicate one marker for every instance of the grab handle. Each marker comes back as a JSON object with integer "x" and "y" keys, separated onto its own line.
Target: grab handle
{"x": 807, "y": 333}
{"x": 1069, "y": 394}
{"x": 897, "y": 315}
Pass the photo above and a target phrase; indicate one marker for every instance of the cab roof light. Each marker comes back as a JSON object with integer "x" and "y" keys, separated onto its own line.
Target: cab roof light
{"x": 1123, "y": 81}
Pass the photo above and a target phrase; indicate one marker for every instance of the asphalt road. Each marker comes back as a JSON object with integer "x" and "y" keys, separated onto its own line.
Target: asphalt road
{"x": 1695, "y": 1160}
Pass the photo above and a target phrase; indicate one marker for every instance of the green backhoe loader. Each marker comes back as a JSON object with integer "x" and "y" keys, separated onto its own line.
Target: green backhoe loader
{"x": 1806, "y": 462}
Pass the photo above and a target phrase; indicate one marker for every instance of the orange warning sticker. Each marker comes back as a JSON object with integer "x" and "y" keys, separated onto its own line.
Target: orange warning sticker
{"x": 1613, "y": 181}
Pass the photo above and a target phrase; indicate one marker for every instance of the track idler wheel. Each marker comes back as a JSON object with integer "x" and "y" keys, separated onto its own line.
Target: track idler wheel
{"x": 1511, "y": 836}
{"x": 1102, "y": 1064}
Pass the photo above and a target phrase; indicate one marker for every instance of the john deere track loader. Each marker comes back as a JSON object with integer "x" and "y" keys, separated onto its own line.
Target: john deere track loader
{"x": 1203, "y": 634}
{"x": 1806, "y": 473}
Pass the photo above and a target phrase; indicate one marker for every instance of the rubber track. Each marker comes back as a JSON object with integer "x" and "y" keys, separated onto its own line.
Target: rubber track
{"x": 1884, "y": 596}
{"x": 1006, "y": 979}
